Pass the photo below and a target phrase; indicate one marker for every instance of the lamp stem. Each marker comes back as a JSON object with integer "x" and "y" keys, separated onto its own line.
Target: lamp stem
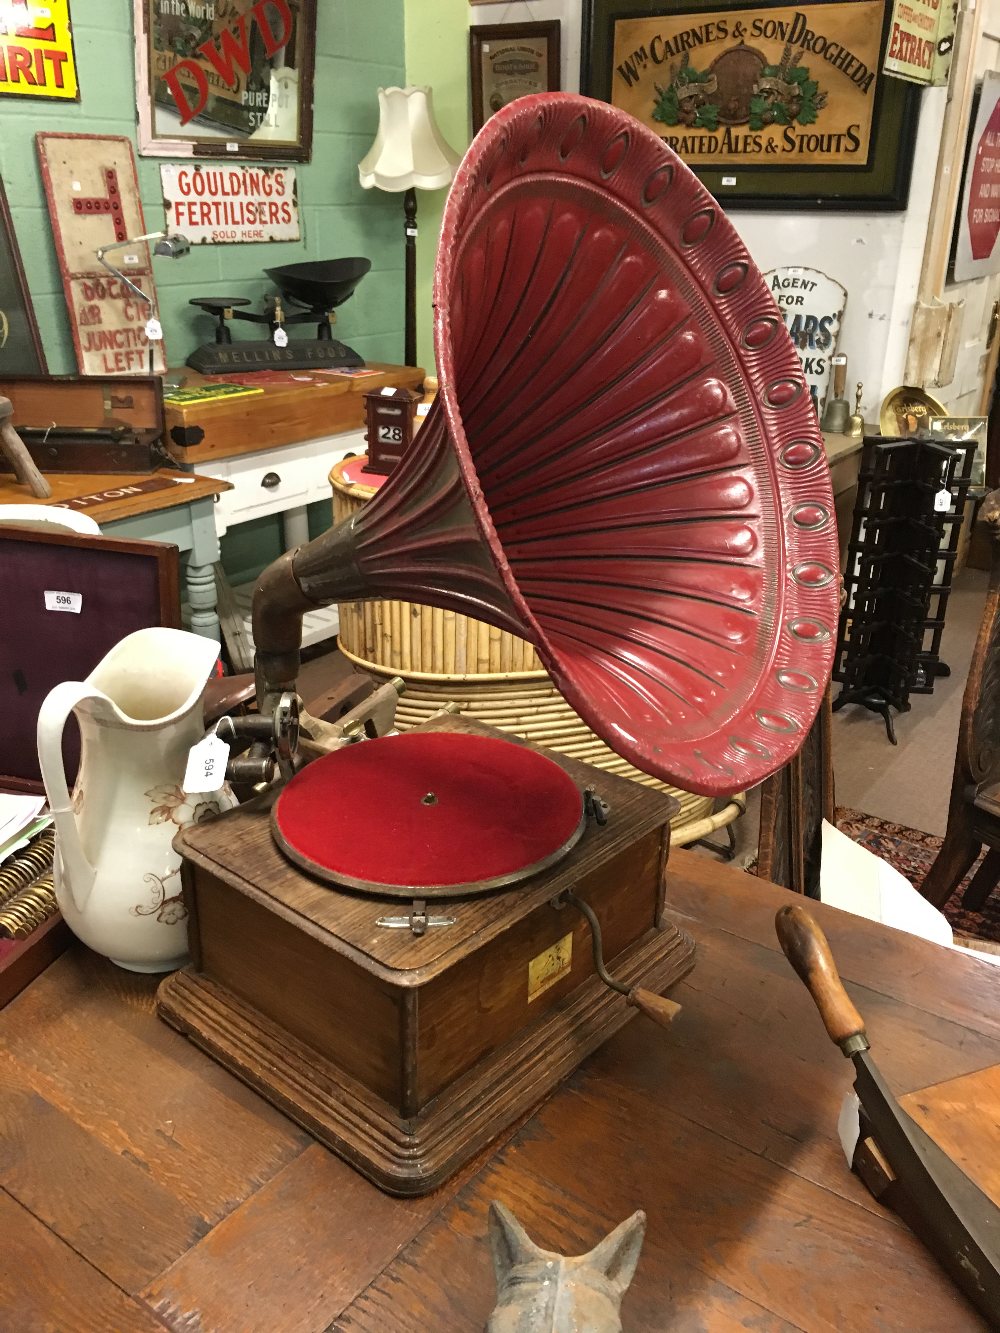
{"x": 410, "y": 215}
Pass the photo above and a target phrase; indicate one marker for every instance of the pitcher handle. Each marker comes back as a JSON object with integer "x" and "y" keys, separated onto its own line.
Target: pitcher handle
{"x": 77, "y": 872}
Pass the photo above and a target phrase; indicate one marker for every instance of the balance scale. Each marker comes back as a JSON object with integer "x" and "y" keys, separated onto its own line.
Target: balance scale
{"x": 405, "y": 1025}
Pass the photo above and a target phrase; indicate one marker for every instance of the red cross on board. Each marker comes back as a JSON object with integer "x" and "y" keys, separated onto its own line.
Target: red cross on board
{"x": 109, "y": 203}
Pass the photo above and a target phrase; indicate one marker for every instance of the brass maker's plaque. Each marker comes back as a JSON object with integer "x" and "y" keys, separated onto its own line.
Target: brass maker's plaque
{"x": 551, "y": 964}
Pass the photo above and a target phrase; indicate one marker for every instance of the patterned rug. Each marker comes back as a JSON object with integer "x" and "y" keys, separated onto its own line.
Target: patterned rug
{"x": 912, "y": 853}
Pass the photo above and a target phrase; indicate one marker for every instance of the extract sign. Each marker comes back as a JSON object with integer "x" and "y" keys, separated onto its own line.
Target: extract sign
{"x": 36, "y": 50}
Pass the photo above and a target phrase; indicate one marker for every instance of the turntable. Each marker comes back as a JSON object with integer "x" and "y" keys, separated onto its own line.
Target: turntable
{"x": 408, "y": 940}
{"x": 313, "y": 290}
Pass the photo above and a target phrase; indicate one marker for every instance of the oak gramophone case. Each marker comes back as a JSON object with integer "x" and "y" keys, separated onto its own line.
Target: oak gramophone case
{"x": 623, "y": 467}
{"x": 408, "y": 1053}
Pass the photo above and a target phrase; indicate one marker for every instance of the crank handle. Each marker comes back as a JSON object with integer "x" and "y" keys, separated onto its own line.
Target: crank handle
{"x": 806, "y": 948}
{"x": 657, "y": 1007}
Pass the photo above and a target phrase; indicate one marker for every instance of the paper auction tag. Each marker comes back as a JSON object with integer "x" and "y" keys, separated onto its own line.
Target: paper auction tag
{"x": 942, "y": 500}
{"x": 154, "y": 330}
{"x": 206, "y": 765}
{"x": 64, "y": 601}
{"x": 280, "y": 337}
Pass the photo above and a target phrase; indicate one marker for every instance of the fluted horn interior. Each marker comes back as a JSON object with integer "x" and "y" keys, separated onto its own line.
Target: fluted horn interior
{"x": 638, "y": 442}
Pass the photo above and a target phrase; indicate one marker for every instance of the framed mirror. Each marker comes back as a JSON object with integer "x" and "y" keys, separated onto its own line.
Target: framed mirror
{"x": 226, "y": 78}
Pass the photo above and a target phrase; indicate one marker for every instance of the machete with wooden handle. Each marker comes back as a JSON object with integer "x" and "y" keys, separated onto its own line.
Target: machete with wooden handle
{"x": 950, "y": 1214}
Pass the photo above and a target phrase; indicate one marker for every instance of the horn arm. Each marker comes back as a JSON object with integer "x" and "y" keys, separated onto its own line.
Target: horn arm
{"x": 314, "y": 575}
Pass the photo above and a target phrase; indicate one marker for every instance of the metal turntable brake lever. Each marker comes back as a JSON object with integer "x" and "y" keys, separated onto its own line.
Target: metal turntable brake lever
{"x": 417, "y": 921}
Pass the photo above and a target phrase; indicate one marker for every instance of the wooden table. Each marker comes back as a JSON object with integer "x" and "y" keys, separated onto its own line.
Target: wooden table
{"x": 144, "y": 1188}
{"x": 181, "y": 511}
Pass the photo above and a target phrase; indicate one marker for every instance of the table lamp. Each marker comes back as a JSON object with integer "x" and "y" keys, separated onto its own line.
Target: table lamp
{"x": 172, "y": 246}
{"x": 409, "y": 153}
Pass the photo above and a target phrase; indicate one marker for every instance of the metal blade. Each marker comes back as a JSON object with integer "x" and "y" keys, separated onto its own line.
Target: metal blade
{"x": 950, "y": 1214}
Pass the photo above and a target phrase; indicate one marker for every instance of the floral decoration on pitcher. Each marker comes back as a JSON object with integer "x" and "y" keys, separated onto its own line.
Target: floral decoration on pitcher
{"x": 169, "y": 910}
{"x": 171, "y": 805}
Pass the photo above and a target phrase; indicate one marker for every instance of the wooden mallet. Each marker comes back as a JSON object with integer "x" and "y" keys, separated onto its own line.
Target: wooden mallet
{"x": 13, "y": 446}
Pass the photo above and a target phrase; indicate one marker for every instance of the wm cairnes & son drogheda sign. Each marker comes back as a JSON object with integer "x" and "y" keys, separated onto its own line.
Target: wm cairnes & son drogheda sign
{"x": 755, "y": 87}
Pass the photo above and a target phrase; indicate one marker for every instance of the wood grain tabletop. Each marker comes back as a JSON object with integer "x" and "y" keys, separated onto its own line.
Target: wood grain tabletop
{"x": 142, "y": 1187}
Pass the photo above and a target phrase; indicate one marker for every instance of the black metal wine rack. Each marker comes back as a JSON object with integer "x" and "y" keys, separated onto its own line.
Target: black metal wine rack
{"x": 900, "y": 561}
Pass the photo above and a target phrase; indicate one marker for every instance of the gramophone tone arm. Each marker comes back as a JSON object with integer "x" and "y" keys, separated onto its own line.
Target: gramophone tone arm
{"x": 278, "y": 606}
{"x": 316, "y": 574}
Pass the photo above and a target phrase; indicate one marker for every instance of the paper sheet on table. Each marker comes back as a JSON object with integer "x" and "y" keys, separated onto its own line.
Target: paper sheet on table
{"x": 18, "y": 815}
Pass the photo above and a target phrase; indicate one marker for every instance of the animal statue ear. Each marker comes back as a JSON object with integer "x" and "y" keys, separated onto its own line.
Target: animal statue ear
{"x": 510, "y": 1243}
{"x": 618, "y": 1254}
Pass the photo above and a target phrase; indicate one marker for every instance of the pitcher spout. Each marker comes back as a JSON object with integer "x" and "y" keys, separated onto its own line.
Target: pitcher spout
{"x": 156, "y": 676}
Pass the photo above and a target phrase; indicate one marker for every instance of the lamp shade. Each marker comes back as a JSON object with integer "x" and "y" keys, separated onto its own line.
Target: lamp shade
{"x": 409, "y": 150}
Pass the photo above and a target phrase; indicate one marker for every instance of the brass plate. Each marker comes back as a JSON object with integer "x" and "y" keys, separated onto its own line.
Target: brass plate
{"x": 907, "y": 410}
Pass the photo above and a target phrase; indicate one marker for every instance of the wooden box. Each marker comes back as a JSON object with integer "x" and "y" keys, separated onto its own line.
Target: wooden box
{"x": 291, "y": 408}
{"x": 408, "y": 1054}
{"x": 88, "y": 423}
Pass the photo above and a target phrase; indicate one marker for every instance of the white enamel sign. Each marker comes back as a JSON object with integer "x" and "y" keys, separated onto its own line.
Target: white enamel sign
{"x": 224, "y": 204}
{"x": 813, "y": 307}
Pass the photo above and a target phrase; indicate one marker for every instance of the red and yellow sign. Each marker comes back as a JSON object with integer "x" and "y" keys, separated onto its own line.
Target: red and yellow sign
{"x": 754, "y": 86}
{"x": 36, "y": 50}
{"x": 921, "y": 37}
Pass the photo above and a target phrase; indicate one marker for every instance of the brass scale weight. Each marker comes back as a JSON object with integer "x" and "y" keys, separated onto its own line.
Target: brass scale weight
{"x": 588, "y": 479}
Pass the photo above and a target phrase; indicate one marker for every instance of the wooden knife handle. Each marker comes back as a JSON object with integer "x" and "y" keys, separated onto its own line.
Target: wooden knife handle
{"x": 806, "y": 948}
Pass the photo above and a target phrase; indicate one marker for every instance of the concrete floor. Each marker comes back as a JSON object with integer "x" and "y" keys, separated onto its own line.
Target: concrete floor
{"x": 910, "y": 782}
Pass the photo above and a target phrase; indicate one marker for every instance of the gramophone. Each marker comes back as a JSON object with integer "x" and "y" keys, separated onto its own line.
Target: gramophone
{"x": 407, "y": 941}
{"x": 313, "y": 290}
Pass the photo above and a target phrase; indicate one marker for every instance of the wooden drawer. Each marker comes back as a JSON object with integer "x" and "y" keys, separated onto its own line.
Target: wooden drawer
{"x": 275, "y": 480}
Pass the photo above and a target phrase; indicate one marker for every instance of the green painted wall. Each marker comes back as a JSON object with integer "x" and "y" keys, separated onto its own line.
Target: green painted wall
{"x": 437, "y": 54}
{"x": 359, "y": 46}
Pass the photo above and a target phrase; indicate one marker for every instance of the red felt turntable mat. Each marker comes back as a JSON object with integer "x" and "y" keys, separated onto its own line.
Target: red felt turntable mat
{"x": 428, "y": 814}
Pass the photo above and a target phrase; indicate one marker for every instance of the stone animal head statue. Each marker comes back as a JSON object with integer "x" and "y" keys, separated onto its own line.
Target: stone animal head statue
{"x": 539, "y": 1291}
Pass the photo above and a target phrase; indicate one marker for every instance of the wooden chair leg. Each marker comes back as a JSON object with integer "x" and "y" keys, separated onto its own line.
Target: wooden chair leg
{"x": 984, "y": 881}
{"x": 952, "y": 863}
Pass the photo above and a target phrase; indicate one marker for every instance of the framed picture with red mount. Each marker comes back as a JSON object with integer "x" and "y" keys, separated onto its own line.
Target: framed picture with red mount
{"x": 771, "y": 102}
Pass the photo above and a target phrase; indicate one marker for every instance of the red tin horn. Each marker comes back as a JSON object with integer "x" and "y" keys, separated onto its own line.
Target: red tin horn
{"x": 623, "y": 463}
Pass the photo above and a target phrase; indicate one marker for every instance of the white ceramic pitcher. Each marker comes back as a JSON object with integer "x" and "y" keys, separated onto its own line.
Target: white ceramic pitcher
{"x": 117, "y": 877}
